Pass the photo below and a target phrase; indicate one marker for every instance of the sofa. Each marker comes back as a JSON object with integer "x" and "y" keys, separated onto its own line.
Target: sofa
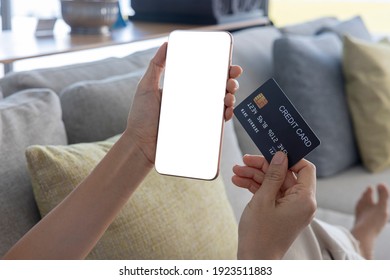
{"x": 57, "y": 123}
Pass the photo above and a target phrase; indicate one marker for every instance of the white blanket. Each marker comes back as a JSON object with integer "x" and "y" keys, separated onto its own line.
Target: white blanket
{"x": 322, "y": 241}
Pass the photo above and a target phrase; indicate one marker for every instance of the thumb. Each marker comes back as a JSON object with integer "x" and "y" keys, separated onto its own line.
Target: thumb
{"x": 274, "y": 177}
{"x": 156, "y": 66}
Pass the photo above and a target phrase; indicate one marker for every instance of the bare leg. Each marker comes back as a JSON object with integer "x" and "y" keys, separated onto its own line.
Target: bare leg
{"x": 370, "y": 218}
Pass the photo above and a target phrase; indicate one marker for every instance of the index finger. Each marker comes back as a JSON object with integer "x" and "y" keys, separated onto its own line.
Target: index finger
{"x": 256, "y": 161}
{"x": 156, "y": 66}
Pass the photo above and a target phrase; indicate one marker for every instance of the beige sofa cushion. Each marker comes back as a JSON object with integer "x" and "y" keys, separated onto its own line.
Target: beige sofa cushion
{"x": 367, "y": 73}
{"x": 166, "y": 218}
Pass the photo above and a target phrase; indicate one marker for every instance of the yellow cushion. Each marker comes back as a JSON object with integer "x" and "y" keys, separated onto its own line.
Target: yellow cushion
{"x": 366, "y": 67}
{"x": 166, "y": 218}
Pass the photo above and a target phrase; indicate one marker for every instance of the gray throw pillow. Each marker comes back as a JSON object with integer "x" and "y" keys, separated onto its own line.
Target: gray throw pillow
{"x": 353, "y": 27}
{"x": 96, "y": 110}
{"x": 310, "y": 27}
{"x": 309, "y": 71}
{"x": 57, "y": 78}
{"x": 26, "y": 118}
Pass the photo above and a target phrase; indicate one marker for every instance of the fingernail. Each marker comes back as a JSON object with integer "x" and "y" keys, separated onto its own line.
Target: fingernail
{"x": 278, "y": 158}
{"x": 237, "y": 85}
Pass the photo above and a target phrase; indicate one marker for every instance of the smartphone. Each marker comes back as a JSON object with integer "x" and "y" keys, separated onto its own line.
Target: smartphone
{"x": 192, "y": 106}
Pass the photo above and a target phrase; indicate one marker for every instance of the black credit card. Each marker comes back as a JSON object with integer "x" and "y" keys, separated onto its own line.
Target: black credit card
{"x": 274, "y": 124}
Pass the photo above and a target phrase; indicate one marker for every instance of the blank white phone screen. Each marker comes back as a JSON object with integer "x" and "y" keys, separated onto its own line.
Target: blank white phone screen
{"x": 192, "y": 106}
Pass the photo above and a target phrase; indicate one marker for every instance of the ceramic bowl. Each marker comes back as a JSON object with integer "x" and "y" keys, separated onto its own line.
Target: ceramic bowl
{"x": 89, "y": 16}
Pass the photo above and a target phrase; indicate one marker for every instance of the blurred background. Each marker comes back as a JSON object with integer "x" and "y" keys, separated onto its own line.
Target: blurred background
{"x": 375, "y": 13}
{"x": 24, "y": 15}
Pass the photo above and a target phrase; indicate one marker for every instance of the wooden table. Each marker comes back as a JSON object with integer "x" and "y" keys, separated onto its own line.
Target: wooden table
{"x": 23, "y": 44}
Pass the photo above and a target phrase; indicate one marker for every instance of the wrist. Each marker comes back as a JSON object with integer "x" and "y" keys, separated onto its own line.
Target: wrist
{"x": 137, "y": 149}
{"x": 258, "y": 245}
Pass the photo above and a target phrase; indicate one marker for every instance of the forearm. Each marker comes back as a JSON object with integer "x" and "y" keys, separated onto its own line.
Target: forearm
{"x": 72, "y": 229}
